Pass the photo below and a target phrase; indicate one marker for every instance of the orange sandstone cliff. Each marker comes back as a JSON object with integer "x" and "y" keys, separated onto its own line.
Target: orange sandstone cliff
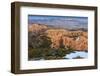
{"x": 77, "y": 40}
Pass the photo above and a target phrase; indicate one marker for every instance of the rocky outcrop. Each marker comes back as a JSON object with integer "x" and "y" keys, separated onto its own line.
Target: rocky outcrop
{"x": 80, "y": 43}
{"x": 36, "y": 27}
{"x": 77, "y": 40}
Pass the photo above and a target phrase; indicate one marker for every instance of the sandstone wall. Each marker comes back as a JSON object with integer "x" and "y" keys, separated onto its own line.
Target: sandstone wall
{"x": 77, "y": 40}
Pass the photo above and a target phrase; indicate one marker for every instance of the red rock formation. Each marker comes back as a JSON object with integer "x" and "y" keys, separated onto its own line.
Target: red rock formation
{"x": 36, "y": 27}
{"x": 75, "y": 39}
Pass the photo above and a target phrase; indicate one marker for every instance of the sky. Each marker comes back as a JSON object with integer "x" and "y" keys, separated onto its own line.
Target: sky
{"x": 59, "y": 21}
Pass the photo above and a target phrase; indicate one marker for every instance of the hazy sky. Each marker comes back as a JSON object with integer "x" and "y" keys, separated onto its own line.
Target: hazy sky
{"x": 59, "y": 21}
